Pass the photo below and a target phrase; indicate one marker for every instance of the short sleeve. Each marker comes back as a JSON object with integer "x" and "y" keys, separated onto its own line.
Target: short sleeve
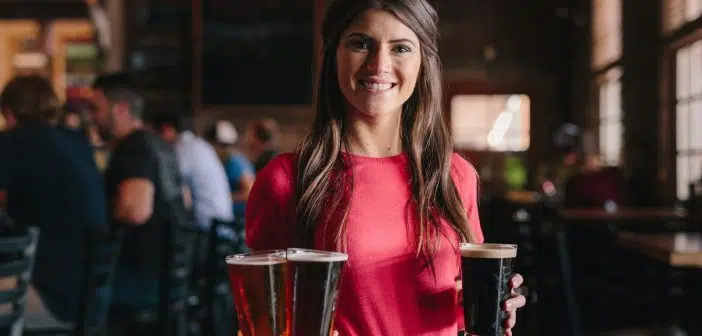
{"x": 184, "y": 158}
{"x": 134, "y": 160}
{"x": 466, "y": 179}
{"x": 270, "y": 209}
{"x": 236, "y": 167}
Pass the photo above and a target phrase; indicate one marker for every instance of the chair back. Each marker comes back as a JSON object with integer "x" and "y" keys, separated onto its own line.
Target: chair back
{"x": 102, "y": 247}
{"x": 224, "y": 240}
{"x": 174, "y": 282}
{"x": 17, "y": 254}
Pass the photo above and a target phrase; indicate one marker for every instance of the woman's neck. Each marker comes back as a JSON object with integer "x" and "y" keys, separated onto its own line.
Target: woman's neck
{"x": 375, "y": 137}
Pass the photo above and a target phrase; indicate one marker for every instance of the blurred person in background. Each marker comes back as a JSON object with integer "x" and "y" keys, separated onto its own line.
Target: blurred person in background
{"x": 567, "y": 154}
{"x": 201, "y": 170}
{"x": 53, "y": 184}
{"x": 144, "y": 192}
{"x": 223, "y": 137}
{"x": 261, "y": 141}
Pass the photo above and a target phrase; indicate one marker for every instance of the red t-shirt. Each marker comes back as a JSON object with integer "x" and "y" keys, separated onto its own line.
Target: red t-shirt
{"x": 385, "y": 290}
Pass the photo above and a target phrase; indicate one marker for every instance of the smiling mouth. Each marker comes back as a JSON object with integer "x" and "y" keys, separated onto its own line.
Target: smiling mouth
{"x": 375, "y": 86}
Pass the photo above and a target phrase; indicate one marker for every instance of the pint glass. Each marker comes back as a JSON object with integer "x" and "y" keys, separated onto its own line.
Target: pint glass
{"x": 486, "y": 271}
{"x": 260, "y": 286}
{"x": 315, "y": 283}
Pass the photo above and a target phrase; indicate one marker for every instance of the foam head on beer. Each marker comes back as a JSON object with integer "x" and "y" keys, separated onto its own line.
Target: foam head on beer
{"x": 488, "y": 251}
{"x": 256, "y": 259}
{"x": 315, "y": 256}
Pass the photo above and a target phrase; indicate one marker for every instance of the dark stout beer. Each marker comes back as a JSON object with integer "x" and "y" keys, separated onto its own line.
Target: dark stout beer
{"x": 259, "y": 286}
{"x": 315, "y": 283}
{"x": 486, "y": 270}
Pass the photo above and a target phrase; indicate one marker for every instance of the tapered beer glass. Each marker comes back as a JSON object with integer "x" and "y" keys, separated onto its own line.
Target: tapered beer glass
{"x": 315, "y": 279}
{"x": 259, "y": 285}
{"x": 486, "y": 269}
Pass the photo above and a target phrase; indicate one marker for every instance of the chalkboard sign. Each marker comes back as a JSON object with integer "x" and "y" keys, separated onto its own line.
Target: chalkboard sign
{"x": 257, "y": 52}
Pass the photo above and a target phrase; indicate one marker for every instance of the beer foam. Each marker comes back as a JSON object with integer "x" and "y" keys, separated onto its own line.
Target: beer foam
{"x": 255, "y": 260}
{"x": 488, "y": 251}
{"x": 317, "y": 256}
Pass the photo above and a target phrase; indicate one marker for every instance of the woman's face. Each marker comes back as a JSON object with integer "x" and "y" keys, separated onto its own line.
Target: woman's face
{"x": 378, "y": 60}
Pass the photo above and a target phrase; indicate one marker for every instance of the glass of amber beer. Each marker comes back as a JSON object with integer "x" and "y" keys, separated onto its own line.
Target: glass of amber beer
{"x": 315, "y": 284}
{"x": 260, "y": 288}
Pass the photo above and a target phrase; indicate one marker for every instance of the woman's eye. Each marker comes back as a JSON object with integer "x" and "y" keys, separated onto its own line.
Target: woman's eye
{"x": 360, "y": 44}
{"x": 401, "y": 49}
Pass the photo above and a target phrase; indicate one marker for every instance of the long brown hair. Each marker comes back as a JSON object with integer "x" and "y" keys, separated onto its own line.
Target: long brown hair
{"x": 323, "y": 179}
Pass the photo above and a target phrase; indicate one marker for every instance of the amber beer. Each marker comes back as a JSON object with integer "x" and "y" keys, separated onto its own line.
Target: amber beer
{"x": 315, "y": 283}
{"x": 259, "y": 286}
{"x": 486, "y": 271}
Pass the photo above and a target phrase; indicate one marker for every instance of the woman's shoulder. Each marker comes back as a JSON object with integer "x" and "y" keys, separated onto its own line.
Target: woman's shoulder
{"x": 279, "y": 173}
{"x": 464, "y": 175}
{"x": 283, "y": 163}
{"x": 461, "y": 166}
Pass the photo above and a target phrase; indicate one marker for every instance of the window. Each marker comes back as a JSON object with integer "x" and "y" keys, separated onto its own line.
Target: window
{"x": 606, "y": 32}
{"x": 491, "y": 122}
{"x": 688, "y": 101}
{"x": 611, "y": 129}
{"x": 678, "y": 12}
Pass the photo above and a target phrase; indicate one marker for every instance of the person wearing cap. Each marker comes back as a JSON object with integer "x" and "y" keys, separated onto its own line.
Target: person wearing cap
{"x": 240, "y": 172}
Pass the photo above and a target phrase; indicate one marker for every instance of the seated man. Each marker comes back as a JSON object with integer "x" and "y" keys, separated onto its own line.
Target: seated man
{"x": 52, "y": 184}
{"x": 200, "y": 168}
{"x": 143, "y": 187}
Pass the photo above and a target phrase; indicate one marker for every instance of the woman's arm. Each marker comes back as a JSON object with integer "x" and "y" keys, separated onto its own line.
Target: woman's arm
{"x": 270, "y": 209}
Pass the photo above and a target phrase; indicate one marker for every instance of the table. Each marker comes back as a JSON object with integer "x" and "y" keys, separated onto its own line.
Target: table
{"x": 674, "y": 249}
{"x": 598, "y": 214}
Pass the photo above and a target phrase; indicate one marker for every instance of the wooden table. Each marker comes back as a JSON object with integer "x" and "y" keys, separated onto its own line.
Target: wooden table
{"x": 675, "y": 249}
{"x": 624, "y": 214}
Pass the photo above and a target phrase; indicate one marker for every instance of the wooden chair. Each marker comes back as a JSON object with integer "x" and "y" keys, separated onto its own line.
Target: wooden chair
{"x": 101, "y": 251}
{"x": 169, "y": 316}
{"x": 220, "y": 317}
{"x": 17, "y": 255}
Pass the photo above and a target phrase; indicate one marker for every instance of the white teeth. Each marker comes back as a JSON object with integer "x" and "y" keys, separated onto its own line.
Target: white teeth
{"x": 376, "y": 86}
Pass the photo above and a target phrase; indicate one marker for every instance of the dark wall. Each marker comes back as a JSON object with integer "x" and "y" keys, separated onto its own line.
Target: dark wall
{"x": 532, "y": 40}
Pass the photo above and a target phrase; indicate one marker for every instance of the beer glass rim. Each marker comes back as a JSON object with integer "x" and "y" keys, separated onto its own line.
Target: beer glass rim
{"x": 328, "y": 256}
{"x": 488, "y": 250}
{"x": 267, "y": 257}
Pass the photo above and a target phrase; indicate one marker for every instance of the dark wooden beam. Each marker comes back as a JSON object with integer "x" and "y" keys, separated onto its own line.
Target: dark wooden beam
{"x": 43, "y": 10}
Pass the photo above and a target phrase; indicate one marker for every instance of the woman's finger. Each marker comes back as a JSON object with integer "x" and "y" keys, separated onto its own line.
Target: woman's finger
{"x": 516, "y": 280}
{"x": 335, "y": 333}
{"x": 511, "y": 320}
{"x": 515, "y": 301}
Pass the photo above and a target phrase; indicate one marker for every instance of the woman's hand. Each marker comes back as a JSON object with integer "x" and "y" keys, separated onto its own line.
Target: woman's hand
{"x": 514, "y": 302}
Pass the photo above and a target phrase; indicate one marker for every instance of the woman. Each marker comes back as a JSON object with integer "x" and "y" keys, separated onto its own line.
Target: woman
{"x": 375, "y": 176}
